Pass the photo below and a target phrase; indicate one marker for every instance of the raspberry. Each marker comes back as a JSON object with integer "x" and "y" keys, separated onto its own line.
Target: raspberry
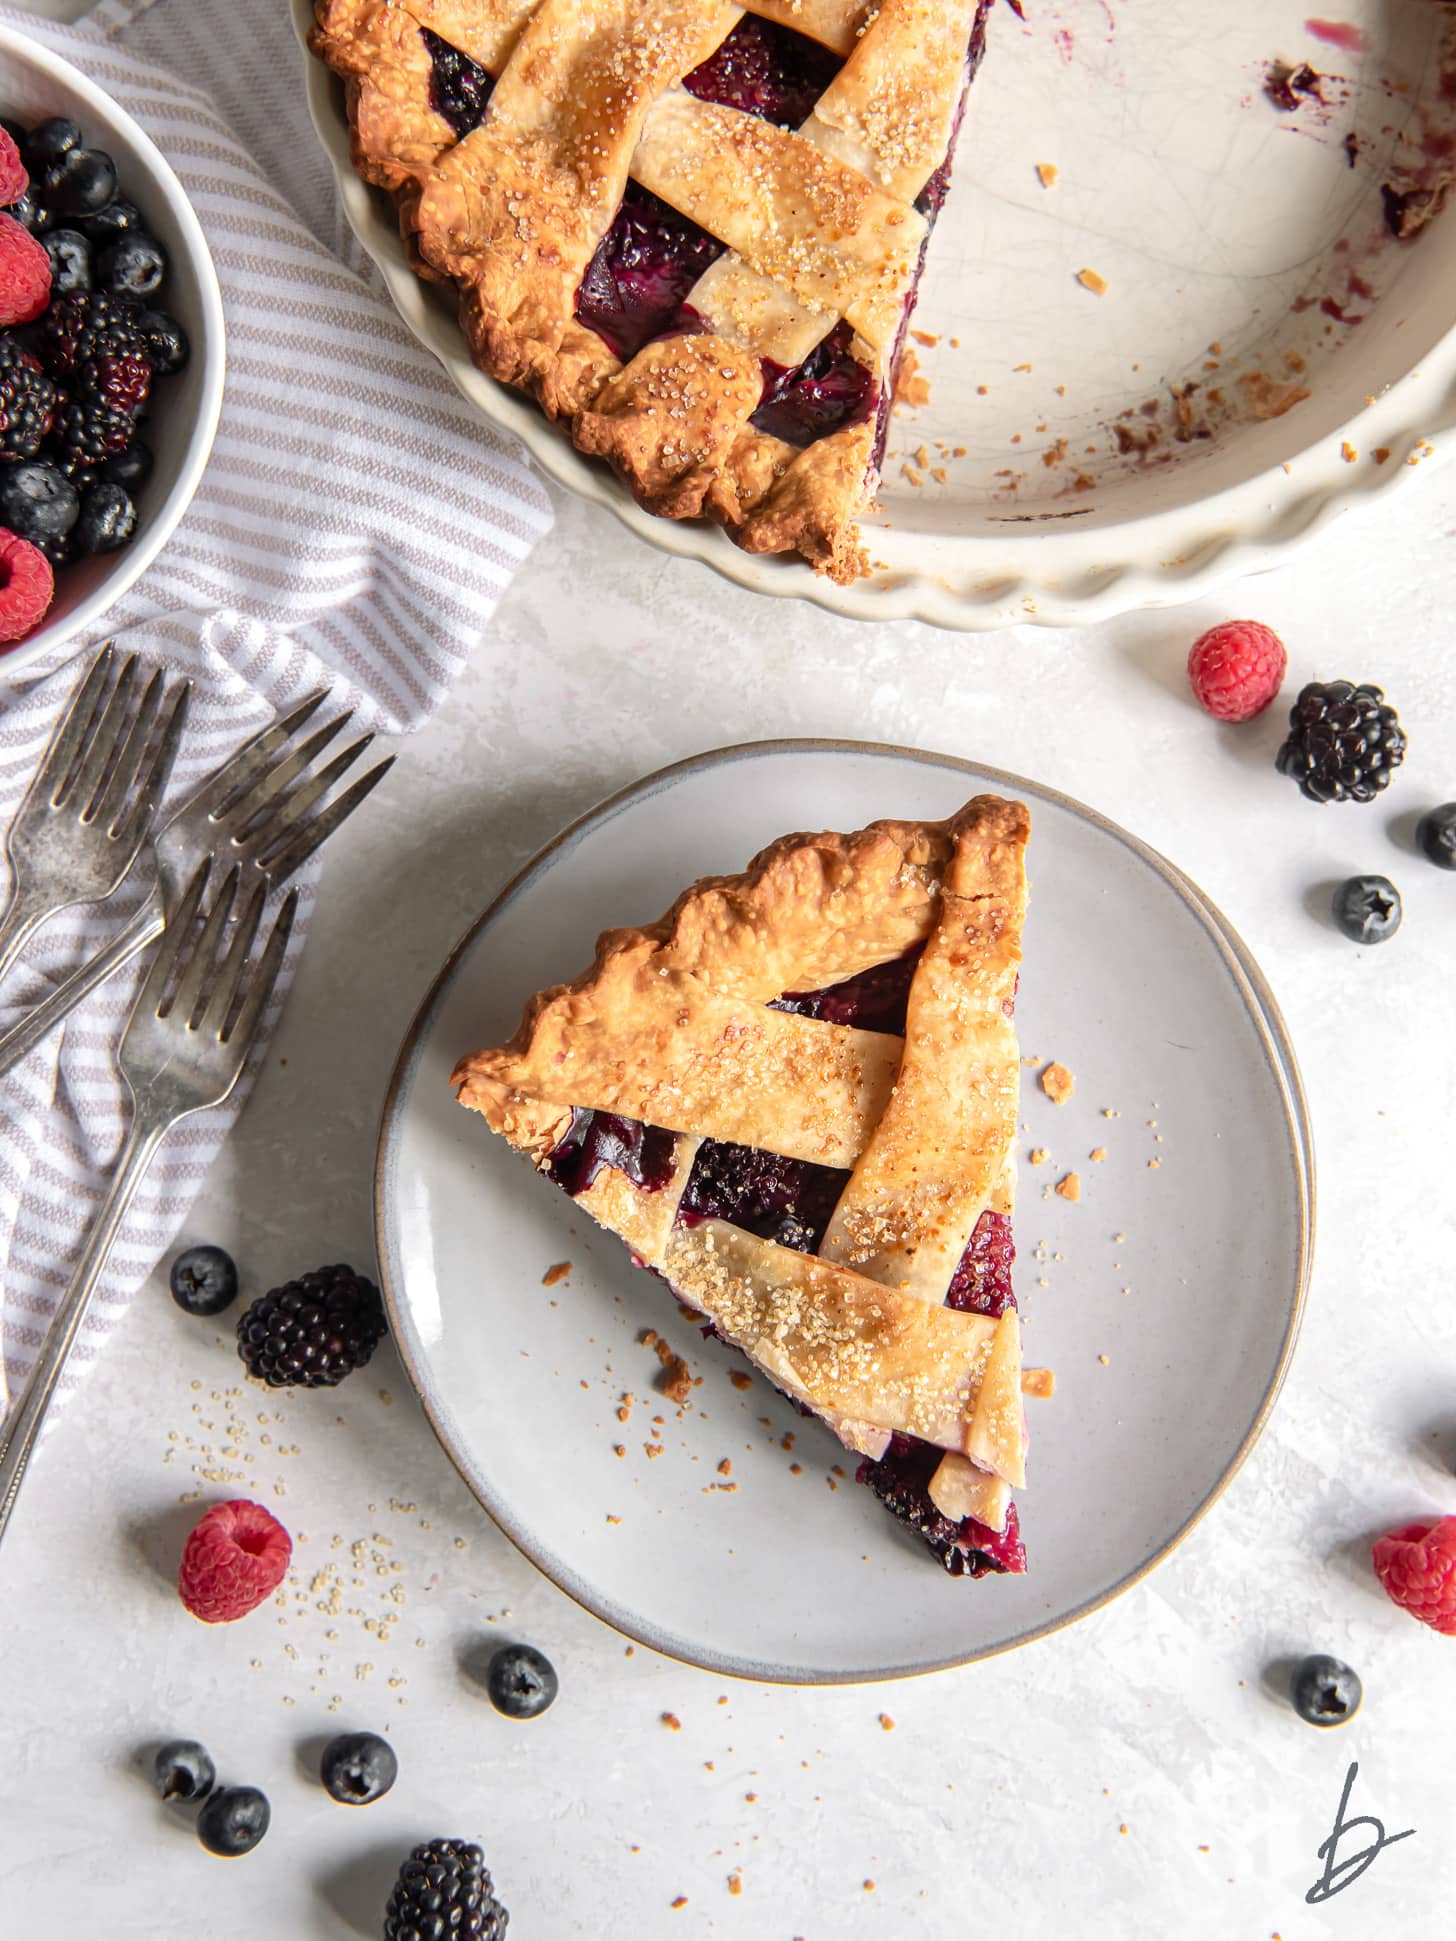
{"x": 25, "y": 274}
{"x": 1236, "y": 669}
{"x": 26, "y": 586}
{"x": 235, "y": 1557}
{"x": 1417, "y": 1565}
{"x": 13, "y": 179}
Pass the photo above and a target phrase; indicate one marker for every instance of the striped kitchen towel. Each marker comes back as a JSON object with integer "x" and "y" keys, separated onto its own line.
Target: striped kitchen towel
{"x": 354, "y": 529}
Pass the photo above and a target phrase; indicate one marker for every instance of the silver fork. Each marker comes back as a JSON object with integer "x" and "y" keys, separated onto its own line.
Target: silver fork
{"x": 91, "y": 804}
{"x": 255, "y": 811}
{"x": 183, "y": 1051}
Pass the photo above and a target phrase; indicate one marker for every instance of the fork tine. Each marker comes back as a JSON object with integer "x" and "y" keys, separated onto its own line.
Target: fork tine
{"x": 243, "y": 810}
{"x": 261, "y": 988}
{"x": 74, "y": 723}
{"x": 254, "y": 755}
{"x": 297, "y": 851}
{"x": 300, "y": 800}
{"x": 154, "y": 783}
{"x": 107, "y": 809}
{"x": 174, "y": 942}
{"x": 200, "y": 964}
{"x": 229, "y": 978}
{"x": 104, "y": 740}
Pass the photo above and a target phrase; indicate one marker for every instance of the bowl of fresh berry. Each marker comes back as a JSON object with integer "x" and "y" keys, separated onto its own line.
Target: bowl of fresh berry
{"x": 111, "y": 352}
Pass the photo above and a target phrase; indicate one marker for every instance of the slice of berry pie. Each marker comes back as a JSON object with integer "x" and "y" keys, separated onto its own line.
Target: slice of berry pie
{"x": 691, "y": 229}
{"x": 795, "y": 1099}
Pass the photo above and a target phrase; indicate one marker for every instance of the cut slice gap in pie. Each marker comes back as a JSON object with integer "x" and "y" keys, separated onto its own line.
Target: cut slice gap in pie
{"x": 795, "y": 1099}
{"x": 693, "y": 230}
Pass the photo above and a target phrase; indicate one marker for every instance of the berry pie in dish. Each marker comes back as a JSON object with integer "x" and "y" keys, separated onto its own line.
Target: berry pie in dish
{"x": 692, "y": 230}
{"x": 795, "y": 1099}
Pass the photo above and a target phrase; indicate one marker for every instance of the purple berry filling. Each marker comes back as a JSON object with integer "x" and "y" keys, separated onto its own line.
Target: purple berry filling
{"x": 901, "y": 1480}
{"x": 644, "y": 266}
{"x": 459, "y": 87}
{"x": 875, "y": 1000}
{"x": 765, "y": 70}
{"x": 982, "y": 1282}
{"x": 596, "y": 1139}
{"x": 829, "y": 390}
{"x": 787, "y": 1200}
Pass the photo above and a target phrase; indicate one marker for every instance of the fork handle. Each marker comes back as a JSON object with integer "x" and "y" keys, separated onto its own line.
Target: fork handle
{"x": 23, "y": 914}
{"x": 39, "y": 1022}
{"x": 18, "y": 1436}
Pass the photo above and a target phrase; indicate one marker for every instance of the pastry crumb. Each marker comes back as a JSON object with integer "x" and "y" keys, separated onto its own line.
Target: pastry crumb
{"x": 556, "y": 1273}
{"x": 735, "y": 1882}
{"x": 681, "y": 1900}
{"x": 912, "y": 387}
{"x": 1040, "y": 1383}
{"x": 887, "y": 1724}
{"x": 1070, "y": 1187}
{"x": 1381, "y": 454}
{"x": 1348, "y": 452}
{"x": 1039, "y": 1155}
{"x": 927, "y": 338}
{"x": 1090, "y": 280}
{"x": 1046, "y": 174}
{"x": 1097, "y": 1154}
{"x": 739, "y": 1378}
{"x": 676, "y": 1380}
{"x": 1058, "y": 1083}
{"x": 1103, "y": 1360}
{"x": 672, "y": 1721}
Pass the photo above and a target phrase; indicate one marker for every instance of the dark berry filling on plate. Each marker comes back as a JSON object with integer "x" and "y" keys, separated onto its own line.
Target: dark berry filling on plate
{"x": 765, "y": 70}
{"x": 791, "y": 1201}
{"x": 596, "y": 1139}
{"x": 459, "y": 87}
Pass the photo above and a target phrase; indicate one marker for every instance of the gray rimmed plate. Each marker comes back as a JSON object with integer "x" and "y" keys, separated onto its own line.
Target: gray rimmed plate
{"x": 1167, "y": 1298}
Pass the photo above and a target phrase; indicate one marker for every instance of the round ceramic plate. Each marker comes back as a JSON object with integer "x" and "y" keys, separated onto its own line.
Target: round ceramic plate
{"x": 1264, "y": 355}
{"x": 1167, "y": 1299}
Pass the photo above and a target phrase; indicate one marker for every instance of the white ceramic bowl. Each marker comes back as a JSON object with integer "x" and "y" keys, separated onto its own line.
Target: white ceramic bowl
{"x": 1065, "y": 492}
{"x": 35, "y": 83}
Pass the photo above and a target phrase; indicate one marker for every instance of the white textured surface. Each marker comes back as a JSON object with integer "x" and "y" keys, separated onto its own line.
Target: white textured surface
{"x": 607, "y": 660}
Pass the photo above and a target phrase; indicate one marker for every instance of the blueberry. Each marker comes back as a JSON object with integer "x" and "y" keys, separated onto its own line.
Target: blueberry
{"x": 204, "y": 1280}
{"x": 1437, "y": 835}
{"x": 1367, "y": 909}
{"x": 183, "y": 1770}
{"x": 32, "y": 214}
{"x": 116, "y": 219}
{"x": 1325, "y": 1692}
{"x": 70, "y": 255}
{"x": 132, "y": 266}
{"x": 106, "y": 521}
{"x": 521, "y": 1682}
{"x": 358, "y": 1768}
{"x": 80, "y": 183}
{"x": 37, "y": 501}
{"x": 233, "y": 1820}
{"x": 131, "y": 468}
{"x": 167, "y": 343}
{"x": 48, "y": 141}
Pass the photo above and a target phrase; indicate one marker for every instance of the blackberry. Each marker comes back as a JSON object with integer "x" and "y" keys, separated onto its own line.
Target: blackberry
{"x": 28, "y": 402}
{"x": 1344, "y": 742}
{"x": 119, "y": 378}
{"x": 83, "y": 326}
{"x": 444, "y": 1888}
{"x": 311, "y": 1333}
{"x": 88, "y": 431}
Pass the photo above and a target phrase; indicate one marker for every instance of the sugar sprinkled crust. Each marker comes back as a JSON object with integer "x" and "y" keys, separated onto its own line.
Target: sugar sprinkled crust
{"x": 670, "y": 1025}
{"x": 819, "y": 223}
